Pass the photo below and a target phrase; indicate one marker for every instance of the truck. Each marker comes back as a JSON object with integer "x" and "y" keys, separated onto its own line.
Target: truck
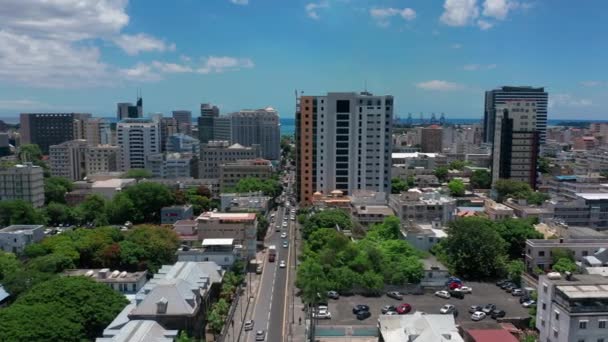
{"x": 272, "y": 253}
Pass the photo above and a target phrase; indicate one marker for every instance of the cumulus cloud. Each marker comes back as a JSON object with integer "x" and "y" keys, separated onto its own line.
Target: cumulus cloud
{"x": 498, "y": 9}
{"x": 313, "y": 7}
{"x": 592, "y": 83}
{"x": 484, "y": 25}
{"x": 134, "y": 44}
{"x": 382, "y": 15}
{"x": 439, "y": 85}
{"x": 476, "y": 67}
{"x": 459, "y": 12}
{"x": 218, "y": 65}
{"x": 467, "y": 12}
{"x": 568, "y": 100}
{"x": 240, "y": 2}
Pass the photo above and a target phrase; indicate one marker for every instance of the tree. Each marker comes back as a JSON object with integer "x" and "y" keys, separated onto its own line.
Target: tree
{"x": 138, "y": 174}
{"x": 158, "y": 243}
{"x": 515, "y": 232}
{"x": 398, "y": 185}
{"x": 262, "y": 227}
{"x": 371, "y": 282}
{"x": 199, "y": 203}
{"x": 311, "y": 280}
{"x": 543, "y": 165}
{"x": 32, "y": 153}
{"x": 183, "y": 337}
{"x": 389, "y": 229}
{"x": 93, "y": 211}
{"x": 270, "y": 187}
{"x": 456, "y": 187}
{"x": 515, "y": 268}
{"x": 120, "y": 209}
{"x": 512, "y": 188}
{"x": 19, "y": 212}
{"x": 537, "y": 198}
{"x": 40, "y": 322}
{"x": 55, "y": 189}
{"x": 457, "y": 165}
{"x": 474, "y": 249}
{"x": 58, "y": 213}
{"x": 217, "y": 315}
{"x": 327, "y": 219}
{"x": 148, "y": 199}
{"x": 561, "y": 253}
{"x": 441, "y": 173}
{"x": 481, "y": 179}
{"x": 564, "y": 265}
{"x": 8, "y": 264}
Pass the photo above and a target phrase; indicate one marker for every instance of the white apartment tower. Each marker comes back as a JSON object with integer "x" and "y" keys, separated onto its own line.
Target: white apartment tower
{"x": 68, "y": 159}
{"x": 22, "y": 182}
{"x": 137, "y": 139}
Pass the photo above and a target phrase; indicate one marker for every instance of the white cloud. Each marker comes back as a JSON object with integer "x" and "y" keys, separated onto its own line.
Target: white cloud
{"x": 240, "y": 2}
{"x": 475, "y": 67}
{"x": 439, "y": 85}
{"x": 313, "y": 7}
{"x": 171, "y": 68}
{"x": 498, "y": 9}
{"x": 484, "y": 25}
{"x": 456, "y": 46}
{"x": 141, "y": 72}
{"x": 218, "y": 65}
{"x": 592, "y": 83}
{"x": 567, "y": 100}
{"x": 141, "y": 42}
{"x": 459, "y": 12}
{"x": 23, "y": 104}
{"x": 382, "y": 15}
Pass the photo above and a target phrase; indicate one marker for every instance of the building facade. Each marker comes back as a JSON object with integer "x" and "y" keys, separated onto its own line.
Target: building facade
{"x": 121, "y": 281}
{"x": 127, "y": 110}
{"x": 539, "y": 252}
{"x": 171, "y": 165}
{"x": 184, "y": 121}
{"x": 206, "y": 123}
{"x": 343, "y": 141}
{"x": 46, "y": 129}
{"x": 137, "y": 139}
{"x": 14, "y": 239}
{"x": 97, "y": 131}
{"x": 216, "y": 153}
{"x": 414, "y": 205}
{"x": 232, "y": 172}
{"x": 170, "y": 215}
{"x": 431, "y": 139}
{"x": 68, "y": 159}
{"x": 22, "y": 182}
{"x": 258, "y": 127}
{"x": 168, "y": 127}
{"x": 101, "y": 158}
{"x": 182, "y": 143}
{"x": 241, "y": 227}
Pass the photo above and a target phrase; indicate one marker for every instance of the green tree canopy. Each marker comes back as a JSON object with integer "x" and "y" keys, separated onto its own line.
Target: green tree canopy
{"x": 40, "y": 322}
{"x": 19, "y": 212}
{"x": 515, "y": 232}
{"x": 148, "y": 199}
{"x": 398, "y": 185}
{"x": 457, "y": 187}
{"x": 515, "y": 268}
{"x": 441, "y": 173}
{"x": 120, "y": 209}
{"x": 55, "y": 189}
{"x": 327, "y": 219}
{"x": 137, "y": 174}
{"x": 481, "y": 179}
{"x": 564, "y": 265}
{"x": 270, "y": 187}
{"x": 457, "y": 165}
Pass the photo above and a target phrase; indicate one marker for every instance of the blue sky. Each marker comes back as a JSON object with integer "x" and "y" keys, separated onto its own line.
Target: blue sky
{"x": 432, "y": 55}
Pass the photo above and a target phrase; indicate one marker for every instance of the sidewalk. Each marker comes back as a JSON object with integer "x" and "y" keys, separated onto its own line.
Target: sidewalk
{"x": 297, "y": 328}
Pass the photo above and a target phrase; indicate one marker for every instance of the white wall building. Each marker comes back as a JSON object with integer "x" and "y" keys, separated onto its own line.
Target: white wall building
{"x": 68, "y": 159}
{"x": 258, "y": 127}
{"x": 14, "y": 239}
{"x": 102, "y": 158}
{"x": 22, "y": 182}
{"x": 137, "y": 139}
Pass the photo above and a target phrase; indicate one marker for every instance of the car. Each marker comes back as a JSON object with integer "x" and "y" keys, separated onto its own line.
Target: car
{"x": 523, "y": 299}
{"x": 446, "y": 309}
{"x": 500, "y": 282}
{"x": 248, "y": 325}
{"x": 388, "y": 308}
{"x": 454, "y": 285}
{"x": 260, "y": 335}
{"x": 322, "y": 306}
{"x": 394, "y": 295}
{"x": 391, "y": 313}
{"x": 333, "y": 295}
{"x": 488, "y": 308}
{"x": 496, "y": 313}
{"x": 284, "y": 224}
{"x": 360, "y": 307}
{"x": 529, "y": 303}
{"x": 464, "y": 289}
{"x": 456, "y": 294}
{"x": 322, "y": 314}
{"x": 443, "y": 294}
{"x": 510, "y": 288}
{"x": 478, "y": 316}
{"x": 475, "y": 308}
{"x": 517, "y": 292}
{"x": 361, "y": 315}
{"x": 259, "y": 270}
{"x": 403, "y": 309}
{"x": 285, "y": 244}
{"x": 506, "y": 284}
{"x": 283, "y": 235}
{"x": 453, "y": 280}
{"x": 282, "y": 264}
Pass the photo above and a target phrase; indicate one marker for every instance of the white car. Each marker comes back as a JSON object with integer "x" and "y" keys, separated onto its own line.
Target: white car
{"x": 391, "y": 313}
{"x": 283, "y": 235}
{"x": 443, "y": 294}
{"x": 282, "y": 264}
{"x": 285, "y": 224}
{"x": 529, "y": 303}
{"x": 478, "y": 315}
{"x": 446, "y": 309}
{"x": 464, "y": 289}
{"x": 322, "y": 314}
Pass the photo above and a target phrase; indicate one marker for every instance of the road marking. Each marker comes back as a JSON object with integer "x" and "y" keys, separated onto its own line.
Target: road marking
{"x": 287, "y": 285}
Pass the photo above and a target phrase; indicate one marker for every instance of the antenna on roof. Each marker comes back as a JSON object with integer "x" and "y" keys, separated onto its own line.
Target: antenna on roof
{"x": 365, "y": 85}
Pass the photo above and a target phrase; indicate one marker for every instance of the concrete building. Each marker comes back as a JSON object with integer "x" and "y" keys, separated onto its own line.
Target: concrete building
{"x": 121, "y": 281}
{"x": 205, "y": 122}
{"x": 170, "y": 215}
{"x": 109, "y": 188}
{"x": 216, "y": 153}
{"x": 46, "y": 129}
{"x": 516, "y": 142}
{"x": 22, "y": 182}
{"x": 539, "y": 252}
{"x": 139, "y": 331}
{"x": 68, "y": 159}
{"x": 97, "y": 131}
{"x": 522, "y": 209}
{"x": 343, "y": 142}
{"x": 419, "y": 327}
{"x": 497, "y": 97}
{"x": 242, "y": 227}
{"x": 184, "y": 121}
{"x": 14, "y": 239}
{"x": 101, "y": 159}
{"x": 258, "y": 127}
{"x": 423, "y": 207}
{"x": 244, "y": 202}
{"x": 126, "y": 110}
{"x": 172, "y": 165}
{"x": 5, "y": 147}
{"x": 222, "y": 128}
{"x": 232, "y": 172}
{"x": 423, "y": 236}
{"x": 168, "y": 127}
{"x": 137, "y": 139}
{"x": 367, "y": 215}
{"x": 223, "y": 252}
{"x": 182, "y": 143}
{"x": 431, "y": 139}
{"x": 497, "y": 211}
{"x": 572, "y": 308}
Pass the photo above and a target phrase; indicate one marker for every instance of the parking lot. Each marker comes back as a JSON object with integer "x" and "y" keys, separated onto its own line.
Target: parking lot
{"x": 483, "y": 293}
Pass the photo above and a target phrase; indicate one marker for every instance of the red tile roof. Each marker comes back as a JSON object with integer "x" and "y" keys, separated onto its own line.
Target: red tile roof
{"x": 491, "y": 335}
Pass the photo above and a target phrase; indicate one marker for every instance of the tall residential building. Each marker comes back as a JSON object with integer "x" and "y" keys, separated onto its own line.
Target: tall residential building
{"x": 171, "y": 165}
{"x": 127, "y": 110}
{"x": 343, "y": 142}
{"x": 184, "y": 121}
{"x": 182, "y": 143}
{"x": 516, "y": 142}
{"x": 101, "y": 159}
{"x": 222, "y": 128}
{"x": 260, "y": 126}
{"x": 168, "y": 127}
{"x": 97, "y": 131}
{"x": 431, "y": 139}
{"x": 68, "y": 159}
{"x": 137, "y": 139}
{"x": 205, "y": 122}
{"x": 46, "y": 129}
{"x": 502, "y": 95}
{"x": 216, "y": 153}
{"x": 22, "y": 182}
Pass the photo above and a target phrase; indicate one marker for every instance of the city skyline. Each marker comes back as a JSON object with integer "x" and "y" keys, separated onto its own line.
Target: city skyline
{"x": 431, "y": 56}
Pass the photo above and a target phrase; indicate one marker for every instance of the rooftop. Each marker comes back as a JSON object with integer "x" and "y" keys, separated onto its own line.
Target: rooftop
{"x": 491, "y": 335}
{"x": 105, "y": 275}
{"x": 374, "y": 209}
{"x": 20, "y": 228}
{"x": 236, "y": 217}
{"x": 139, "y": 331}
{"x": 425, "y": 327}
{"x": 593, "y": 196}
{"x": 218, "y": 242}
{"x": 116, "y": 183}
{"x": 566, "y": 242}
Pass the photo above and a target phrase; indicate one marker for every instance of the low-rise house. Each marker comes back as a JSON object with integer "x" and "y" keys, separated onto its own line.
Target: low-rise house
{"x": 435, "y": 273}
{"x": 14, "y": 239}
{"x": 497, "y": 211}
{"x": 336, "y": 199}
{"x": 423, "y": 207}
{"x": 242, "y": 227}
{"x": 418, "y": 327}
{"x": 368, "y": 215}
{"x": 170, "y": 215}
{"x": 139, "y": 331}
{"x": 539, "y": 252}
{"x": 245, "y": 202}
{"x": 232, "y": 172}
{"x": 123, "y": 282}
{"x": 109, "y": 188}
{"x": 187, "y": 232}
{"x": 522, "y": 209}
{"x": 223, "y": 252}
{"x": 488, "y": 335}
{"x": 423, "y": 236}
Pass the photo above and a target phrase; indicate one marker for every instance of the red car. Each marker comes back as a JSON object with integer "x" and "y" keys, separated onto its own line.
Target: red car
{"x": 404, "y": 308}
{"x": 454, "y": 285}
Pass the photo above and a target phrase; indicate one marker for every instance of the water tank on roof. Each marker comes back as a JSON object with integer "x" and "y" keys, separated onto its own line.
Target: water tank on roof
{"x": 554, "y": 275}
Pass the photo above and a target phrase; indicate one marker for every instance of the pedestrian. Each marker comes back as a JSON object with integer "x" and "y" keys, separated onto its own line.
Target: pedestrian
{"x": 300, "y": 321}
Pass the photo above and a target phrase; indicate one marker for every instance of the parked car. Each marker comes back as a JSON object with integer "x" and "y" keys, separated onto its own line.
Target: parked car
{"x": 478, "y": 316}
{"x": 496, "y": 313}
{"x": 394, "y": 295}
{"x": 529, "y": 303}
{"x": 464, "y": 289}
{"x": 333, "y": 295}
{"x": 322, "y": 314}
{"x": 506, "y": 284}
{"x": 404, "y": 309}
{"x": 523, "y": 299}
{"x": 361, "y": 315}
{"x": 391, "y": 313}
{"x": 248, "y": 325}
{"x": 388, "y": 308}
{"x": 500, "y": 282}
{"x": 510, "y": 288}
{"x": 488, "y": 308}
{"x": 443, "y": 294}
{"x": 475, "y": 308}
{"x": 446, "y": 309}
{"x": 260, "y": 335}
{"x": 360, "y": 307}
{"x": 456, "y": 294}
{"x": 454, "y": 285}
{"x": 517, "y": 292}
{"x": 453, "y": 280}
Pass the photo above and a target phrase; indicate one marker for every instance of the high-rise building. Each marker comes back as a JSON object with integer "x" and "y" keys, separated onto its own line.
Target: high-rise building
{"x": 168, "y": 127}
{"x": 206, "y": 123}
{"x": 22, "y": 182}
{"x": 46, "y": 129}
{"x": 499, "y": 96}
{"x": 260, "y": 126}
{"x": 97, "y": 131}
{"x": 171, "y": 165}
{"x": 431, "y": 139}
{"x": 343, "y": 142}
{"x": 516, "y": 142}
{"x": 126, "y": 110}
{"x": 216, "y": 153}
{"x": 184, "y": 121}
{"x": 68, "y": 159}
{"x": 182, "y": 143}
{"x": 137, "y": 139}
{"x": 222, "y": 128}
{"x": 102, "y": 158}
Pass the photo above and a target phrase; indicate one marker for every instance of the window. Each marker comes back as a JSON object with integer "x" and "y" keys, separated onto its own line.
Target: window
{"x": 557, "y": 315}
{"x": 541, "y": 253}
{"x": 582, "y": 324}
{"x": 602, "y": 324}
{"x": 544, "y": 306}
{"x": 581, "y": 340}
{"x": 545, "y": 288}
{"x": 555, "y": 333}
{"x": 585, "y": 253}
{"x": 343, "y": 106}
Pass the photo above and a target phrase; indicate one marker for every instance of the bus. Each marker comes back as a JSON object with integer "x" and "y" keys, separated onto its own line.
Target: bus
{"x": 272, "y": 253}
